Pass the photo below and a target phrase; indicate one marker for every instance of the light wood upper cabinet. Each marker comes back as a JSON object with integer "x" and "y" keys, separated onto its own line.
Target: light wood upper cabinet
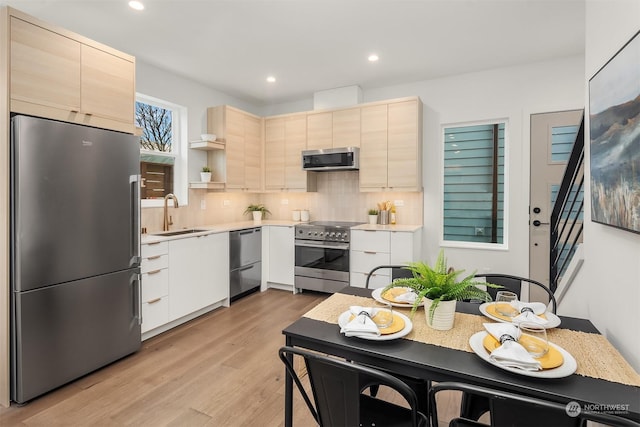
{"x": 285, "y": 139}
{"x": 58, "y": 83}
{"x": 319, "y": 130}
{"x": 373, "y": 147}
{"x": 391, "y": 150}
{"x": 274, "y": 153}
{"x": 346, "y": 128}
{"x": 57, "y": 74}
{"x": 107, "y": 85}
{"x": 242, "y": 156}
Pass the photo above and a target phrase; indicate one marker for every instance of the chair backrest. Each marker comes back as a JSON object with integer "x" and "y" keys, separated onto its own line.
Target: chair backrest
{"x": 337, "y": 385}
{"x": 513, "y": 409}
{"x": 397, "y": 271}
{"x": 514, "y": 284}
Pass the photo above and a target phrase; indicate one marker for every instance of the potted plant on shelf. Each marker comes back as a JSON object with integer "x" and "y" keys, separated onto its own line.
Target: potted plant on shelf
{"x": 258, "y": 211}
{"x": 205, "y": 174}
{"x": 440, "y": 288}
{"x": 373, "y": 216}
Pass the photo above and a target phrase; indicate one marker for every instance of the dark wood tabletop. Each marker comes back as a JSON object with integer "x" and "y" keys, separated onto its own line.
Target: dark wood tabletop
{"x": 420, "y": 360}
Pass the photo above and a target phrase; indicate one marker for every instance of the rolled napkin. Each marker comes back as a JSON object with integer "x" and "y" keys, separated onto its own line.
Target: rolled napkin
{"x": 510, "y": 353}
{"x": 361, "y": 325}
{"x": 529, "y": 312}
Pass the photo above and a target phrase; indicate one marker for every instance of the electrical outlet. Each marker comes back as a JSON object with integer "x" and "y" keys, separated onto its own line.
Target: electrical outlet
{"x": 398, "y": 203}
{"x": 284, "y": 201}
{"x": 479, "y": 231}
{"x": 226, "y": 203}
{"x": 203, "y": 204}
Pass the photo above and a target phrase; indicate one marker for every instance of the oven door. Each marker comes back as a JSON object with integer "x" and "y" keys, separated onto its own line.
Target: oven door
{"x": 322, "y": 260}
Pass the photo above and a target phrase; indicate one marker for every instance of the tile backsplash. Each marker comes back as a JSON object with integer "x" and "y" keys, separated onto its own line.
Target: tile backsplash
{"x": 338, "y": 199}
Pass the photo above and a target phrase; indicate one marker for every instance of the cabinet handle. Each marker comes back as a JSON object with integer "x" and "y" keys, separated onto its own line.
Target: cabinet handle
{"x": 154, "y": 272}
{"x": 370, "y": 252}
{"x": 153, "y": 243}
{"x": 154, "y": 257}
{"x": 153, "y": 301}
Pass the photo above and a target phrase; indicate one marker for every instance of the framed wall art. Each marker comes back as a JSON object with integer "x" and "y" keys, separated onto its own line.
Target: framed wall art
{"x": 614, "y": 115}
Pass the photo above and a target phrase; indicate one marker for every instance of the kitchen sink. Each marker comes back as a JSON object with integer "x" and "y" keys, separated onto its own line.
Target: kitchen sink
{"x": 178, "y": 232}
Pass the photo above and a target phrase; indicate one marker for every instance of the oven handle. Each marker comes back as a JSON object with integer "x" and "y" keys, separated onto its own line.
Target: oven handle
{"x": 322, "y": 245}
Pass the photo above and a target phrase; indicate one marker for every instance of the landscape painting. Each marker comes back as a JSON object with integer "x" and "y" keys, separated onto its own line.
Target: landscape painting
{"x": 614, "y": 104}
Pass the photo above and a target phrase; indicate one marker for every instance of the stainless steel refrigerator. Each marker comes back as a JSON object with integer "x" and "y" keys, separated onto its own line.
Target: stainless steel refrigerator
{"x": 75, "y": 252}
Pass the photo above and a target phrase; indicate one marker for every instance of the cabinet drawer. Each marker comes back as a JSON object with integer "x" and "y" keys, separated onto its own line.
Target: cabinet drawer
{"x": 155, "y": 284}
{"x": 376, "y": 241}
{"x": 364, "y": 262}
{"x": 378, "y": 280}
{"x": 153, "y": 249}
{"x": 155, "y": 262}
{"x": 155, "y": 313}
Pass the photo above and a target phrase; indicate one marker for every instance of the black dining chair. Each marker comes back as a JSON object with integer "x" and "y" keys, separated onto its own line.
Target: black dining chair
{"x": 337, "y": 387}
{"x": 514, "y": 284}
{"x": 510, "y": 409}
{"x": 397, "y": 272}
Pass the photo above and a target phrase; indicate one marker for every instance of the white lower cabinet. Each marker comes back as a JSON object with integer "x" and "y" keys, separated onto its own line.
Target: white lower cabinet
{"x": 155, "y": 285}
{"x": 281, "y": 255}
{"x": 198, "y": 273}
{"x": 372, "y": 248}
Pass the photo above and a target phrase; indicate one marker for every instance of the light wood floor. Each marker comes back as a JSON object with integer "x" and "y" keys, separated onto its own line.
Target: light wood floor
{"x": 220, "y": 369}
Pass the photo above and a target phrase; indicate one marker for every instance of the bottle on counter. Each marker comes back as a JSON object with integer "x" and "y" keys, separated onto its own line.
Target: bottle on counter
{"x": 392, "y": 215}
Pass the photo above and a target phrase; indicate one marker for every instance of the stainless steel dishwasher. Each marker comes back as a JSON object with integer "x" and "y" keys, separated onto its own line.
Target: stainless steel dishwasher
{"x": 245, "y": 251}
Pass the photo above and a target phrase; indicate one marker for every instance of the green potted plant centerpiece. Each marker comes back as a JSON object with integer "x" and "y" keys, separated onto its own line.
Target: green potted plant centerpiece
{"x": 258, "y": 211}
{"x": 440, "y": 288}
{"x": 373, "y": 216}
{"x": 205, "y": 174}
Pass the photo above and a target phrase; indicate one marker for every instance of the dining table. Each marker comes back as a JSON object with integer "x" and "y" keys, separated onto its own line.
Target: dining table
{"x": 603, "y": 380}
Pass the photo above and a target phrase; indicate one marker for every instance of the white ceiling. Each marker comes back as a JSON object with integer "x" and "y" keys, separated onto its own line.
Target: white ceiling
{"x": 312, "y": 45}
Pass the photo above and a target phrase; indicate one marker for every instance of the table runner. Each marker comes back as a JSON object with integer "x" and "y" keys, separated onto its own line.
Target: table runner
{"x": 595, "y": 355}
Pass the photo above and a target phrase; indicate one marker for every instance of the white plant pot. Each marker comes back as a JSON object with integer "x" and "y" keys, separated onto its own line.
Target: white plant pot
{"x": 373, "y": 219}
{"x": 257, "y": 216}
{"x": 205, "y": 176}
{"x": 444, "y": 315}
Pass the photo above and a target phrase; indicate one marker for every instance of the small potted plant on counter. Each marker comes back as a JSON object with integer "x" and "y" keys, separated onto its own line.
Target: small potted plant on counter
{"x": 440, "y": 288}
{"x": 373, "y": 216}
{"x": 205, "y": 174}
{"x": 258, "y": 211}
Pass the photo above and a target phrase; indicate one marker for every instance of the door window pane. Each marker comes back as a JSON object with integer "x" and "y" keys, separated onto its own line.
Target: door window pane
{"x": 562, "y": 138}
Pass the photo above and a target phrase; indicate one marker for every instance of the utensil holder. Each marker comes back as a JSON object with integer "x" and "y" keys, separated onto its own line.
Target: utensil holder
{"x": 383, "y": 218}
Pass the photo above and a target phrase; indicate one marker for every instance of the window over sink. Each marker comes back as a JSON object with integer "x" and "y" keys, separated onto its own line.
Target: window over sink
{"x": 163, "y": 147}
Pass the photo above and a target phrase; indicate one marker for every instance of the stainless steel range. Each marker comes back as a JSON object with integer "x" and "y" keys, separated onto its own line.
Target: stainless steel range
{"x": 322, "y": 255}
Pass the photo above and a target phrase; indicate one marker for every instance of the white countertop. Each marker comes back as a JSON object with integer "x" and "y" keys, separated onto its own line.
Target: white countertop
{"x": 240, "y": 225}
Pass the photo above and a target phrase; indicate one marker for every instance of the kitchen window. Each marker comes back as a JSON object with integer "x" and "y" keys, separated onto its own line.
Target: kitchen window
{"x": 474, "y": 185}
{"x": 162, "y": 160}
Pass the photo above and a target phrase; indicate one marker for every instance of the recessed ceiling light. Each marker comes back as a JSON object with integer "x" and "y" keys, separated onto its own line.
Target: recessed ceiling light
{"x": 271, "y": 79}
{"x": 137, "y": 5}
{"x": 373, "y": 57}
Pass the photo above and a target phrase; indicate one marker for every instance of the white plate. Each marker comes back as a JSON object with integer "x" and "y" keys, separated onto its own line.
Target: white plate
{"x": 568, "y": 367}
{"x": 553, "y": 320}
{"x": 344, "y": 319}
{"x": 377, "y": 295}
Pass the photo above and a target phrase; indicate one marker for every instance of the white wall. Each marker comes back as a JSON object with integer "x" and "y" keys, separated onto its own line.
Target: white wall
{"x": 607, "y": 289}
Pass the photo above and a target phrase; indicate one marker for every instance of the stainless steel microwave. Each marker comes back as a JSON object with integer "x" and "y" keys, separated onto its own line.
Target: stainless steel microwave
{"x": 331, "y": 159}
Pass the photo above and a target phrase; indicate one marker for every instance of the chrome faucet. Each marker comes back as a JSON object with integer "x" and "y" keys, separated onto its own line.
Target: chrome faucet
{"x": 167, "y": 218}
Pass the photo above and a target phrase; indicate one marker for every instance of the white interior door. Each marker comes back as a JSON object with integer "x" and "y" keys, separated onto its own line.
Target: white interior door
{"x": 552, "y": 137}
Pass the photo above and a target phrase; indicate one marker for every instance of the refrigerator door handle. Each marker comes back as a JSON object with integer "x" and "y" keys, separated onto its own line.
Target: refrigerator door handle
{"x": 136, "y": 280}
{"x": 134, "y": 183}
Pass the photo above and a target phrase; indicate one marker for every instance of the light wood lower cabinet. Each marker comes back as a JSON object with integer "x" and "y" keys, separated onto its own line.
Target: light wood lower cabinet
{"x": 198, "y": 273}
{"x": 57, "y": 74}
